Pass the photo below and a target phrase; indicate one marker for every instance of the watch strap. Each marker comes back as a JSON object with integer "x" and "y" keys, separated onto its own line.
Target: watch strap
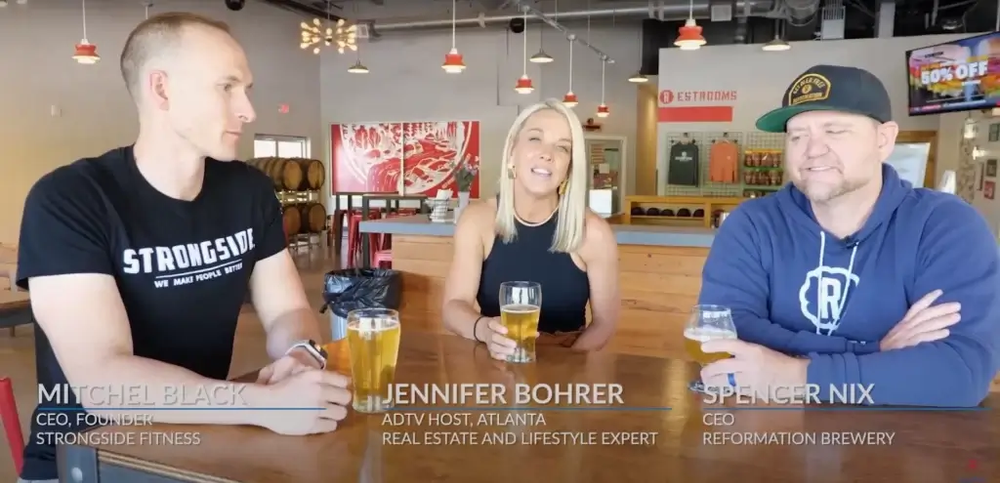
{"x": 311, "y": 348}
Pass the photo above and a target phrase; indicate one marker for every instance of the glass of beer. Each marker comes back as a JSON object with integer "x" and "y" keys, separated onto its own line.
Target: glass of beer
{"x": 707, "y": 322}
{"x": 373, "y": 340}
{"x": 520, "y": 307}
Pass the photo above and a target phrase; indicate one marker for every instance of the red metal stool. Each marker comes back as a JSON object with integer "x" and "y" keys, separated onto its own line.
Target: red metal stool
{"x": 354, "y": 237}
{"x": 380, "y": 257}
{"x": 384, "y": 239}
{"x": 11, "y": 423}
{"x": 381, "y": 247}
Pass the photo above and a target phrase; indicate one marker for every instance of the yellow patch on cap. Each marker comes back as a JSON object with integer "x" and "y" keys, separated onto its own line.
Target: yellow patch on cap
{"x": 809, "y": 88}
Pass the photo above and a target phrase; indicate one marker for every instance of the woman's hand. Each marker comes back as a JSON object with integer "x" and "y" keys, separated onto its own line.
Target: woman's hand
{"x": 499, "y": 345}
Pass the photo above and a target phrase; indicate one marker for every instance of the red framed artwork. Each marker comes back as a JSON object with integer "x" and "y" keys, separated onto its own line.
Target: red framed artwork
{"x": 412, "y": 157}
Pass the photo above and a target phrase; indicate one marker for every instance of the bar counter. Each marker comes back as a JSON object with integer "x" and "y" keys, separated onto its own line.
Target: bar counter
{"x": 660, "y": 277}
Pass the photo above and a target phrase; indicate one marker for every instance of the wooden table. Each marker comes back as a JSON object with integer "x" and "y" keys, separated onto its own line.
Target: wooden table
{"x": 931, "y": 446}
{"x": 15, "y": 309}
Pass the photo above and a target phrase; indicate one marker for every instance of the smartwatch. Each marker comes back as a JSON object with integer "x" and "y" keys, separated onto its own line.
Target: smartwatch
{"x": 311, "y": 348}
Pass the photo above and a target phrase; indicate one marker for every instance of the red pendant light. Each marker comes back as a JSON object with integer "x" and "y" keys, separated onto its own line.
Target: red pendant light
{"x": 570, "y": 100}
{"x": 602, "y": 109}
{"x": 524, "y": 85}
{"x": 86, "y": 53}
{"x": 453, "y": 63}
{"x": 690, "y": 37}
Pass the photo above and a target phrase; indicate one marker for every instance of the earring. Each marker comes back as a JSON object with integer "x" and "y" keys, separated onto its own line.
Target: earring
{"x": 511, "y": 173}
{"x": 562, "y": 188}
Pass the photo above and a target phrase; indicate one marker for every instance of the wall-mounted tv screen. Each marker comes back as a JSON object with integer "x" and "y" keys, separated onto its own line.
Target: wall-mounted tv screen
{"x": 962, "y": 75}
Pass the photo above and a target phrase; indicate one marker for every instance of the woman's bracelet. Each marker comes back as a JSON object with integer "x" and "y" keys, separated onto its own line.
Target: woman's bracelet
{"x": 475, "y": 329}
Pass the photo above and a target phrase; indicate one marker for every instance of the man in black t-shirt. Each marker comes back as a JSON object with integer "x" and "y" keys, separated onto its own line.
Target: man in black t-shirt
{"x": 139, "y": 260}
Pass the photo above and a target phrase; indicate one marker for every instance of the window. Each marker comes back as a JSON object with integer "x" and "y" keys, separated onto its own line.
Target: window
{"x": 265, "y": 146}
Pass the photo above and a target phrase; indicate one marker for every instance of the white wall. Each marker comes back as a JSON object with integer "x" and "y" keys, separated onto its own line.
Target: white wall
{"x": 971, "y": 154}
{"x": 949, "y": 146}
{"x": 96, "y": 112}
{"x": 760, "y": 79}
{"x": 984, "y": 150}
{"x": 406, "y": 83}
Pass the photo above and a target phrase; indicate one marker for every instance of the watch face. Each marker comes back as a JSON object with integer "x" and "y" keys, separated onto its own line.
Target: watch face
{"x": 318, "y": 348}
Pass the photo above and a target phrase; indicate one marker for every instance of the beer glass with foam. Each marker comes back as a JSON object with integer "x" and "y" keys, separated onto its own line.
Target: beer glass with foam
{"x": 707, "y": 322}
{"x": 373, "y": 340}
{"x": 520, "y": 307}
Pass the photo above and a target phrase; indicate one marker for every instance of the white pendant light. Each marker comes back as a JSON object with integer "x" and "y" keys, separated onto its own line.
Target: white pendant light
{"x": 358, "y": 68}
{"x": 541, "y": 57}
{"x": 778, "y": 44}
{"x": 638, "y": 77}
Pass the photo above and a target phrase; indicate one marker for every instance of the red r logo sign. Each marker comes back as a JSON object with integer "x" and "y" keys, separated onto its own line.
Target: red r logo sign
{"x": 666, "y": 97}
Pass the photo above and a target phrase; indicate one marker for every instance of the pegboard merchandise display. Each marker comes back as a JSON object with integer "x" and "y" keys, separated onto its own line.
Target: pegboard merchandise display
{"x": 749, "y": 181}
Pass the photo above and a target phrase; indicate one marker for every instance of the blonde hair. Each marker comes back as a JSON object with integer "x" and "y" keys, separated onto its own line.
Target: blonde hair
{"x": 572, "y": 204}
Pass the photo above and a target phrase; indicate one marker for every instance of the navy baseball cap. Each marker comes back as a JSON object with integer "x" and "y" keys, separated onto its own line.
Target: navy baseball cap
{"x": 831, "y": 88}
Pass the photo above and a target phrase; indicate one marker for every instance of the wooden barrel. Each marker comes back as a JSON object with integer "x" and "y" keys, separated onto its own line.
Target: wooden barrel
{"x": 276, "y": 169}
{"x": 292, "y": 175}
{"x": 314, "y": 174}
{"x": 312, "y": 217}
{"x": 264, "y": 164}
{"x": 292, "y": 220}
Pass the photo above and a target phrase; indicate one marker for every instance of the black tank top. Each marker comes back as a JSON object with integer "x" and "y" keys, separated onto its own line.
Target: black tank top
{"x": 565, "y": 288}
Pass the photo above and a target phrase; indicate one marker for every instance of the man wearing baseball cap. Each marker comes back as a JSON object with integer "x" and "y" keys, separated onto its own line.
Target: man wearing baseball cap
{"x": 849, "y": 275}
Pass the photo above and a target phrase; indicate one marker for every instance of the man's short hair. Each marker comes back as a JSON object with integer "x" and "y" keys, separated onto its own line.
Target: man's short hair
{"x": 153, "y": 36}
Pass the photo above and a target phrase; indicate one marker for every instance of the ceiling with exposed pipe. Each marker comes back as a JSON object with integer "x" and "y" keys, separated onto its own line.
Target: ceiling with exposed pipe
{"x": 913, "y": 17}
{"x": 666, "y": 12}
{"x": 392, "y": 15}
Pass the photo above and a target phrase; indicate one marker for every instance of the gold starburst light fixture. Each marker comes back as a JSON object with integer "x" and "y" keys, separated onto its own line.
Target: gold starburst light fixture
{"x": 315, "y": 36}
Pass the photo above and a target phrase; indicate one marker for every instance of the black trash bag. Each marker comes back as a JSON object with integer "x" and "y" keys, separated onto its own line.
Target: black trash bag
{"x": 361, "y": 288}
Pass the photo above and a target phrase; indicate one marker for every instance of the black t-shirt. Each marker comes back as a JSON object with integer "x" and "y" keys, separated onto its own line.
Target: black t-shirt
{"x": 182, "y": 267}
{"x": 684, "y": 165}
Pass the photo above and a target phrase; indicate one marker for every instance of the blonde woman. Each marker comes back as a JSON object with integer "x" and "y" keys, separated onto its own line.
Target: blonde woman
{"x": 538, "y": 229}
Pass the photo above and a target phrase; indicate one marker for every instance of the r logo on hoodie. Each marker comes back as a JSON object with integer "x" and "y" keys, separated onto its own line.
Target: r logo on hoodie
{"x": 823, "y": 294}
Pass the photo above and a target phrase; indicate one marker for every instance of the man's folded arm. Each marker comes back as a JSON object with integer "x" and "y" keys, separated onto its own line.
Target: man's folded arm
{"x": 734, "y": 276}
{"x": 64, "y": 261}
{"x": 959, "y": 256}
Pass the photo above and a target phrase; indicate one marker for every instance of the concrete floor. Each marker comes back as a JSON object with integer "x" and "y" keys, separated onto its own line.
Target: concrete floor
{"x": 17, "y": 359}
